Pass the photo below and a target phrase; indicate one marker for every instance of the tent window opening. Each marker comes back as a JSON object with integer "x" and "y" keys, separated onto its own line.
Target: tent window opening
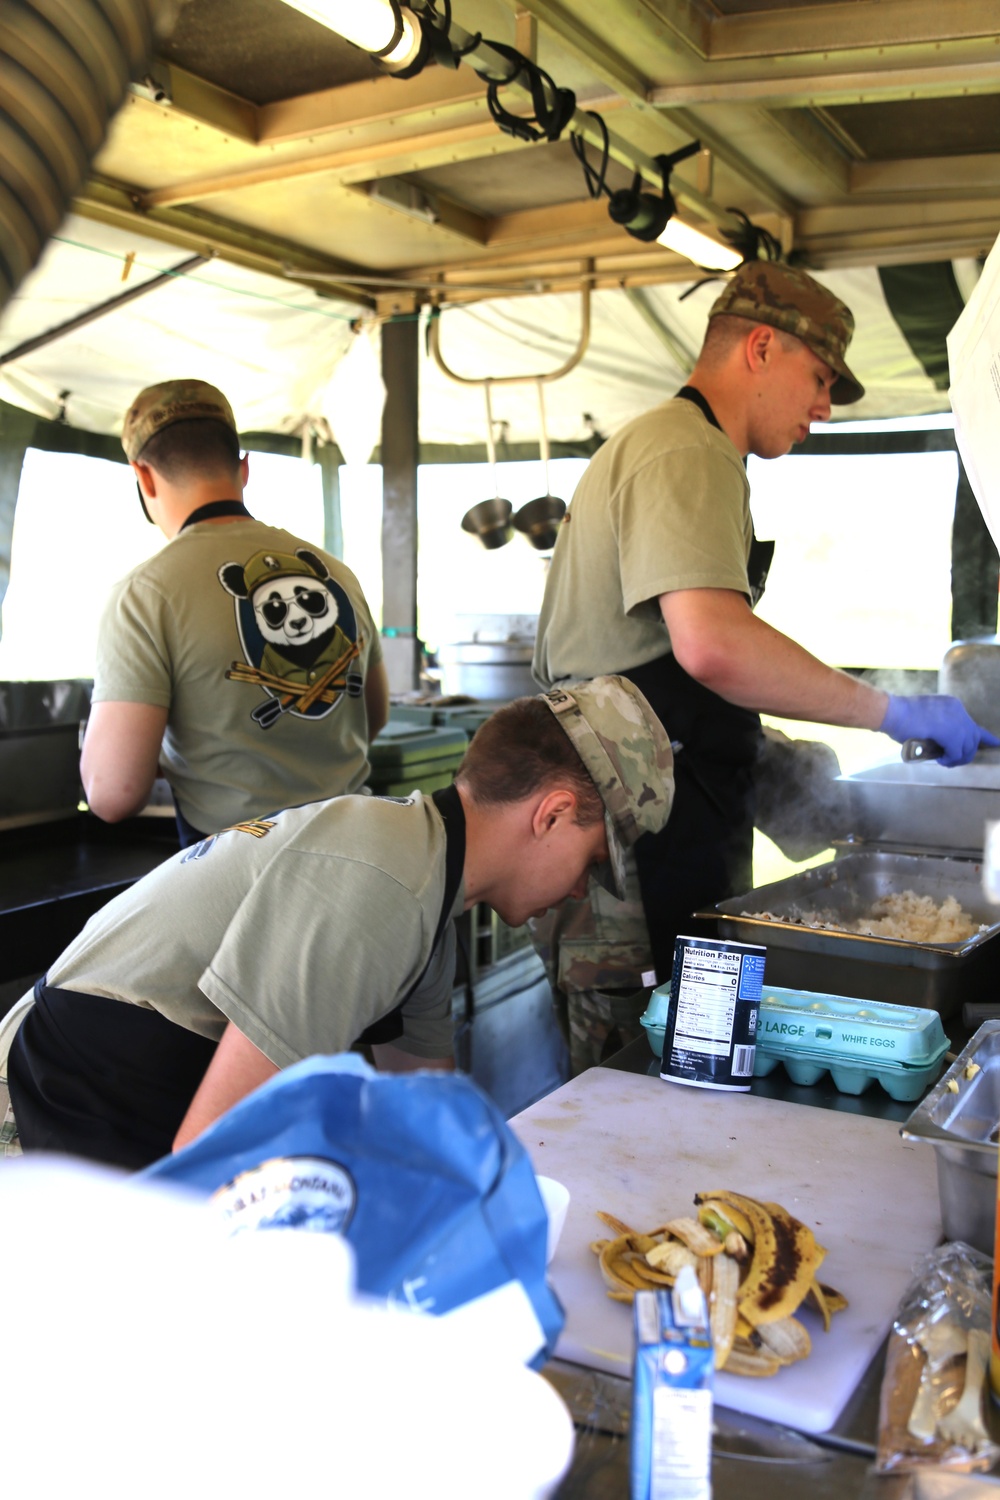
{"x": 862, "y": 577}
{"x": 456, "y": 575}
{"x": 283, "y": 491}
{"x": 862, "y": 567}
{"x": 79, "y": 528}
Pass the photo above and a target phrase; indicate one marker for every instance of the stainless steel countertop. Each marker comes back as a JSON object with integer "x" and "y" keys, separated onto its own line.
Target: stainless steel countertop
{"x": 751, "y": 1459}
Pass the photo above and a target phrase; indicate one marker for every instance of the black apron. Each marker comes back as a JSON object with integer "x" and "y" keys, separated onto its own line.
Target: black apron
{"x": 449, "y": 804}
{"x": 705, "y": 852}
{"x": 111, "y": 1082}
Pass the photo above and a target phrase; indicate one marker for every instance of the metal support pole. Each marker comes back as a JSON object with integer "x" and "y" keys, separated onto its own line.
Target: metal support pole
{"x": 400, "y": 453}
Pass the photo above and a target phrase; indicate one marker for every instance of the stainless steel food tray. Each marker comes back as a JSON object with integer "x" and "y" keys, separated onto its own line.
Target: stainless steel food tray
{"x": 940, "y": 976}
{"x": 924, "y": 803}
{"x": 959, "y": 1119}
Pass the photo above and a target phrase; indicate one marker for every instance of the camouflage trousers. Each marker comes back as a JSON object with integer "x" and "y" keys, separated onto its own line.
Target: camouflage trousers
{"x": 598, "y": 960}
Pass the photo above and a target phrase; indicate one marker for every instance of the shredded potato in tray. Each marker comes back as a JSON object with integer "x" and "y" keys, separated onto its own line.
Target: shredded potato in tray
{"x": 901, "y": 914}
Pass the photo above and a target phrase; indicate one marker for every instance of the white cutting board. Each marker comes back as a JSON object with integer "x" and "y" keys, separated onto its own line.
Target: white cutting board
{"x": 641, "y": 1148}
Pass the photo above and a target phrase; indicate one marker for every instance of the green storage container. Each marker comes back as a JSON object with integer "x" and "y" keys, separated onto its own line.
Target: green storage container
{"x": 408, "y": 757}
{"x": 421, "y": 715}
{"x": 467, "y": 716}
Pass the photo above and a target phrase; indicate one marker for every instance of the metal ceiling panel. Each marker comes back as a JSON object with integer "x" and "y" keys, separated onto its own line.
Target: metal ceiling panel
{"x": 858, "y": 133}
{"x": 261, "y": 49}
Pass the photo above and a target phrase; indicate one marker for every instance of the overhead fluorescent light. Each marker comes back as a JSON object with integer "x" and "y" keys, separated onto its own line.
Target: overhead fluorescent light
{"x": 698, "y": 247}
{"x": 380, "y": 27}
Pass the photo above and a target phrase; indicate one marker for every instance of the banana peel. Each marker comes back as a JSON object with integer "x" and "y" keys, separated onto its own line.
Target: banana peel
{"x": 695, "y": 1235}
{"x": 787, "y": 1339}
{"x": 746, "y": 1358}
{"x": 723, "y": 1314}
{"x": 784, "y": 1261}
{"x": 825, "y": 1300}
{"x": 756, "y": 1265}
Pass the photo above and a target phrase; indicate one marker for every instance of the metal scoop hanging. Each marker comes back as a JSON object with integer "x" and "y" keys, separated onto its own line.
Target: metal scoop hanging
{"x": 539, "y": 519}
{"x": 490, "y": 519}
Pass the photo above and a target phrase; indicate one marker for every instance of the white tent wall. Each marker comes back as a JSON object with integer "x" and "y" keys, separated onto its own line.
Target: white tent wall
{"x": 274, "y": 345}
{"x": 627, "y": 368}
{"x": 271, "y": 345}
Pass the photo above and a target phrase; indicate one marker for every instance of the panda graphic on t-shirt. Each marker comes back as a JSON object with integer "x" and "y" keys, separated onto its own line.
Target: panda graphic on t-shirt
{"x": 298, "y": 632}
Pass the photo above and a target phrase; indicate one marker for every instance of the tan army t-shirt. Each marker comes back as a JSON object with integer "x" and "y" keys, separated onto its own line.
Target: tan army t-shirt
{"x": 302, "y": 930}
{"x": 265, "y": 698}
{"x": 663, "y": 505}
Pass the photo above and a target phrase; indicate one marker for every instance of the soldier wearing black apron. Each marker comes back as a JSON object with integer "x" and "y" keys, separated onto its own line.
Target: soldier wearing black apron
{"x": 655, "y": 575}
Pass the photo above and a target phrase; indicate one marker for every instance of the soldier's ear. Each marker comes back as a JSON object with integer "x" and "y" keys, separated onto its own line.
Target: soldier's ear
{"x": 762, "y": 346}
{"x": 233, "y": 580}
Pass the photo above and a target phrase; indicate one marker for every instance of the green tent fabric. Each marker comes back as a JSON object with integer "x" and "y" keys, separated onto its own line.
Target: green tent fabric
{"x": 16, "y": 432}
{"x": 925, "y": 302}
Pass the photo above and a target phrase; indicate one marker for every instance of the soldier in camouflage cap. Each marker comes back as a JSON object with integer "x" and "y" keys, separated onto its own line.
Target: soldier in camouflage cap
{"x": 627, "y": 753}
{"x": 238, "y": 662}
{"x": 785, "y": 297}
{"x": 655, "y": 575}
{"x": 325, "y": 925}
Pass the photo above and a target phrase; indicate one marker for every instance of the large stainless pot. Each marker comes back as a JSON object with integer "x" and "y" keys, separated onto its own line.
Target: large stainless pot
{"x": 487, "y": 669}
{"x": 971, "y": 671}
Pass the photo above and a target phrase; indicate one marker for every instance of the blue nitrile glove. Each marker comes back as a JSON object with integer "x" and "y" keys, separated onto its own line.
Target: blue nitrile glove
{"x": 935, "y": 716}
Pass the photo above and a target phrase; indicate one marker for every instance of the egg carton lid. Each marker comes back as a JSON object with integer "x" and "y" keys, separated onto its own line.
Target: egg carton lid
{"x": 793, "y": 1022}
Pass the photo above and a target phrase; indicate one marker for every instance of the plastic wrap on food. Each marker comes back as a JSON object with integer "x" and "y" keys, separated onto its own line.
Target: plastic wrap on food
{"x": 934, "y": 1403}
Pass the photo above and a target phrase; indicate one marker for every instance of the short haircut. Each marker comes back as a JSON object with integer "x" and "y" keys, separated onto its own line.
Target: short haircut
{"x": 195, "y": 449}
{"x": 729, "y": 329}
{"x": 521, "y": 750}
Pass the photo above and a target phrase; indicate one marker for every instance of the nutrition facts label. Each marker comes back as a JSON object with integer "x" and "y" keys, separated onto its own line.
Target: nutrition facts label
{"x": 706, "y": 1002}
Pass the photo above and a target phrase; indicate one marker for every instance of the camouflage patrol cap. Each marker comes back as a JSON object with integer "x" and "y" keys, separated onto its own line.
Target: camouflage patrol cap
{"x": 627, "y": 752}
{"x": 787, "y": 298}
{"x": 159, "y": 406}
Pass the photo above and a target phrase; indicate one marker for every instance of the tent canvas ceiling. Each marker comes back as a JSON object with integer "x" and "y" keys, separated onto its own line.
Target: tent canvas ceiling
{"x": 863, "y": 134}
{"x": 273, "y": 346}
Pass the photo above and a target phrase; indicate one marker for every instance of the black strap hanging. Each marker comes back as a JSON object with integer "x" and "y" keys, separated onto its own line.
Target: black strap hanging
{"x": 688, "y": 393}
{"x": 216, "y": 508}
{"x": 761, "y": 553}
{"x": 389, "y": 1028}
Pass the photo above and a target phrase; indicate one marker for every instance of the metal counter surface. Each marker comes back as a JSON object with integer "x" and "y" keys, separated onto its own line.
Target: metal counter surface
{"x": 53, "y": 876}
{"x": 751, "y": 1459}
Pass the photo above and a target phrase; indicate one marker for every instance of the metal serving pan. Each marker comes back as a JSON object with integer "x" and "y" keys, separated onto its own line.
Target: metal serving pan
{"x": 924, "y": 803}
{"x": 939, "y": 976}
{"x": 959, "y": 1119}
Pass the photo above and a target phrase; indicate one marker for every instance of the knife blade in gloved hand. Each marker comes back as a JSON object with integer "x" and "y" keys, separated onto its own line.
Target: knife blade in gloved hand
{"x": 921, "y": 750}
{"x": 930, "y": 750}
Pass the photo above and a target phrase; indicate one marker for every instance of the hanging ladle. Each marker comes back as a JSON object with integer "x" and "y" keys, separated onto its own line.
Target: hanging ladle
{"x": 539, "y": 519}
{"x": 490, "y": 519}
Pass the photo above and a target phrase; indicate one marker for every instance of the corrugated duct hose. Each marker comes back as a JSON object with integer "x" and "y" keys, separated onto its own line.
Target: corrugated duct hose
{"x": 64, "y": 68}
